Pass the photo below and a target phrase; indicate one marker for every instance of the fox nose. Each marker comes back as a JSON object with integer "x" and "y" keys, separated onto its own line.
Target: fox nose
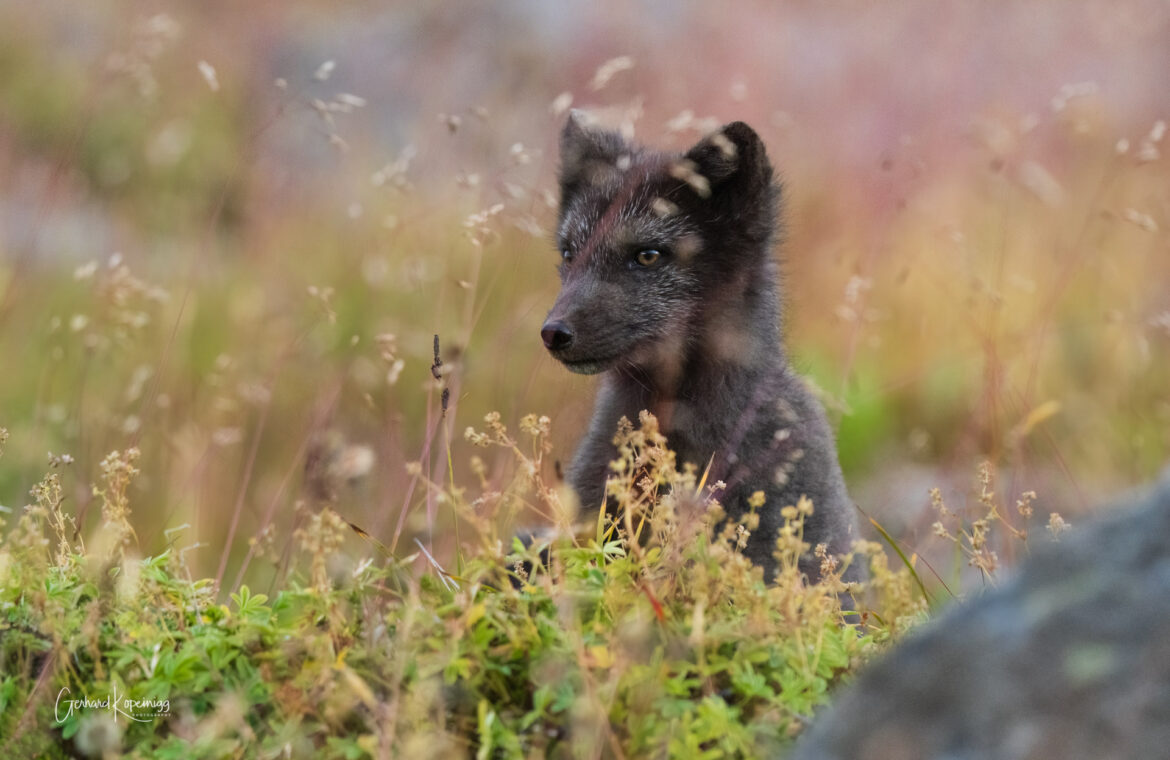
{"x": 556, "y": 335}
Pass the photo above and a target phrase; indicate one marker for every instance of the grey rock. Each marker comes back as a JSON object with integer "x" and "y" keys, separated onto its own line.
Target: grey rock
{"x": 1069, "y": 660}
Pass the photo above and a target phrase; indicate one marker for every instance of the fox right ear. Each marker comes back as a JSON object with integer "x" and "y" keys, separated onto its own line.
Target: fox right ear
{"x": 735, "y": 155}
{"x": 588, "y": 154}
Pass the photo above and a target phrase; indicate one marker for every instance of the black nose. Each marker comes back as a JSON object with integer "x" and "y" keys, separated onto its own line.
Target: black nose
{"x": 556, "y": 335}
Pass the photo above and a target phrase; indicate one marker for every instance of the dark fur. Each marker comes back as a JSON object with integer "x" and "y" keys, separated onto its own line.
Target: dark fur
{"x": 696, "y": 337}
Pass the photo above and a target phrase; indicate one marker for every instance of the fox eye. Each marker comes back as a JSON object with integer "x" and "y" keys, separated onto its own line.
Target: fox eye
{"x": 566, "y": 254}
{"x": 648, "y": 258}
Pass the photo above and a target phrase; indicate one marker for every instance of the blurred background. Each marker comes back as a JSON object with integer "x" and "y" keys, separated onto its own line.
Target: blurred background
{"x": 230, "y": 232}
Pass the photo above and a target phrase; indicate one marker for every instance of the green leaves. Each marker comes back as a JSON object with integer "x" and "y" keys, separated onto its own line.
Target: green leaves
{"x": 251, "y": 606}
{"x": 648, "y": 647}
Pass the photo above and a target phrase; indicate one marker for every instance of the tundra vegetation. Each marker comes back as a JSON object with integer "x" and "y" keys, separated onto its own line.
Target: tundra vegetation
{"x": 278, "y": 511}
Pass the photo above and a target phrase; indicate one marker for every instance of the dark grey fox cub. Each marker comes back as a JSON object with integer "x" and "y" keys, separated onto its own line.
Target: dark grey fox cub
{"x": 669, "y": 289}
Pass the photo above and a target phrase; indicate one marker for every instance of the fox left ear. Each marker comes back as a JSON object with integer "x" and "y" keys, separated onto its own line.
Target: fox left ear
{"x": 733, "y": 155}
{"x": 587, "y": 153}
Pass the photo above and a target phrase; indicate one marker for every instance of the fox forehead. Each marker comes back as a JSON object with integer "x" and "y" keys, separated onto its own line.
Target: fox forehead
{"x": 618, "y": 215}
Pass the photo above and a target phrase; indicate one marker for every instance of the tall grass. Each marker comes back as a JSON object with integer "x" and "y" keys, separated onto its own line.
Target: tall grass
{"x": 648, "y": 635}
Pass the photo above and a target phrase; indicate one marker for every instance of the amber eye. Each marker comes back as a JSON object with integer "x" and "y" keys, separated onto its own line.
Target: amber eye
{"x": 648, "y": 258}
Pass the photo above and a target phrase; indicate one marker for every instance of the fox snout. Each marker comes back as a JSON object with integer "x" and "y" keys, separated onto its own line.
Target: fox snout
{"x": 596, "y": 325}
{"x": 556, "y": 335}
{"x": 576, "y": 339}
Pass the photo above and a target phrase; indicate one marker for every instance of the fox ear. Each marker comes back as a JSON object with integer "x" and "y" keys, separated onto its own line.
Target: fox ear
{"x": 732, "y": 155}
{"x": 588, "y": 154}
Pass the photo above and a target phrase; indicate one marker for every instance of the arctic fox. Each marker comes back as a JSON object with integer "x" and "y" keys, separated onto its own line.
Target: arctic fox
{"x": 669, "y": 291}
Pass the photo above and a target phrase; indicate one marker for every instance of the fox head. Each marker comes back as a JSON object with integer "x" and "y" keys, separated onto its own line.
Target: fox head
{"x": 650, "y": 241}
